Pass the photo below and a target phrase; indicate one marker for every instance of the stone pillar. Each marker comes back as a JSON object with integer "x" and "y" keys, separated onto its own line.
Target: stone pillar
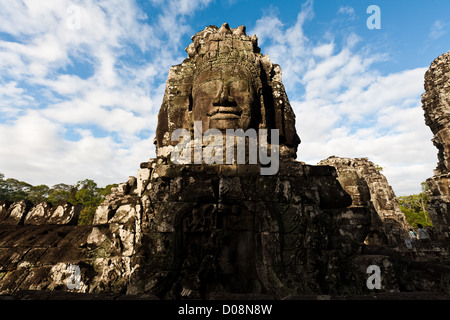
{"x": 436, "y": 106}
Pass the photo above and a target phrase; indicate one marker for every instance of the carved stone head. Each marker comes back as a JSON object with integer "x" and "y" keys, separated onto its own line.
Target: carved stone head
{"x": 226, "y": 84}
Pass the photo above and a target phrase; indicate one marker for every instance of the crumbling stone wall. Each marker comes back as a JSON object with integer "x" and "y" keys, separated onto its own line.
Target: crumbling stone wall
{"x": 43, "y": 248}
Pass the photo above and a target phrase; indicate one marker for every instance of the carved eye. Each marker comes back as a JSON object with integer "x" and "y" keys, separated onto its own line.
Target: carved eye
{"x": 239, "y": 87}
{"x": 209, "y": 87}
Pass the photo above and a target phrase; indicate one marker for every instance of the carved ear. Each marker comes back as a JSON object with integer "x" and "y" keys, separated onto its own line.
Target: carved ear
{"x": 292, "y": 139}
{"x": 289, "y": 132}
{"x": 162, "y": 126}
{"x": 283, "y": 115}
{"x": 263, "y": 122}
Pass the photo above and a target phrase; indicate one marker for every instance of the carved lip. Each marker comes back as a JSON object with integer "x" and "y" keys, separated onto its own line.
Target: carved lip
{"x": 218, "y": 113}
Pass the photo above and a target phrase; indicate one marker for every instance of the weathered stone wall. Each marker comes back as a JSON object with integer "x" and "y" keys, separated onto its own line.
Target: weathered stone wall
{"x": 43, "y": 248}
{"x": 218, "y": 231}
{"x": 436, "y": 106}
{"x": 369, "y": 188}
{"x": 209, "y": 229}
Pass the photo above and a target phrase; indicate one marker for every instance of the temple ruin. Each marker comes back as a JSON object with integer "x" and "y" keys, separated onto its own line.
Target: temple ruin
{"x": 223, "y": 231}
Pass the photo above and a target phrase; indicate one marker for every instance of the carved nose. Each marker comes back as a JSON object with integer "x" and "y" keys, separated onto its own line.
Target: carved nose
{"x": 224, "y": 98}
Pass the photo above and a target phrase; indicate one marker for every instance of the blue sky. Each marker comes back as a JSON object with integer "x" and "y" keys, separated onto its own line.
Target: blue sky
{"x": 81, "y": 81}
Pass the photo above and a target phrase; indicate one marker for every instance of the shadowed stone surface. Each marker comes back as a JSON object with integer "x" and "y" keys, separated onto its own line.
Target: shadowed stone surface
{"x": 436, "y": 106}
{"x": 222, "y": 228}
{"x": 369, "y": 188}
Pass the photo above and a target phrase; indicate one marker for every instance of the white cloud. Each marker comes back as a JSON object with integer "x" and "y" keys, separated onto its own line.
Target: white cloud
{"x": 346, "y": 107}
{"x": 41, "y": 154}
{"x": 270, "y": 27}
{"x": 324, "y": 50}
{"x": 287, "y": 46}
{"x": 65, "y": 126}
{"x": 370, "y": 119}
{"x": 362, "y": 115}
{"x": 13, "y": 99}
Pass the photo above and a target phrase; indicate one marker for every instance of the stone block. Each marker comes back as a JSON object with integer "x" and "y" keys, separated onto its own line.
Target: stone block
{"x": 65, "y": 214}
{"x": 17, "y": 212}
{"x": 39, "y": 214}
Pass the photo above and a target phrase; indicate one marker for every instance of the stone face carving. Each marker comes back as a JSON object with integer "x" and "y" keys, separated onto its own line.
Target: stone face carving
{"x": 369, "y": 188}
{"x": 224, "y": 97}
{"x": 226, "y": 84}
{"x": 436, "y": 106}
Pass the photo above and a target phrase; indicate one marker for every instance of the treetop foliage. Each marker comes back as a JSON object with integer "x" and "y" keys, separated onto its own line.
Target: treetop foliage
{"x": 415, "y": 207}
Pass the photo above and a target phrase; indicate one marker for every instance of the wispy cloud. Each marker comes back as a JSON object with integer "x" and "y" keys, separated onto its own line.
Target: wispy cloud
{"x": 438, "y": 29}
{"x": 287, "y": 44}
{"x": 348, "y": 11}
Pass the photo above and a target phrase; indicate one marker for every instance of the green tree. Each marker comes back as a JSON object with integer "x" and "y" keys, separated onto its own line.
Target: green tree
{"x": 415, "y": 207}
{"x": 62, "y": 193}
{"x": 3, "y": 189}
{"x": 90, "y": 196}
{"x": 87, "y": 215}
{"x": 107, "y": 190}
{"x": 16, "y": 190}
{"x": 38, "y": 194}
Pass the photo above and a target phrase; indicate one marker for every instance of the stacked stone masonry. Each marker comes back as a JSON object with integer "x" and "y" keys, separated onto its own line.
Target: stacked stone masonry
{"x": 369, "y": 188}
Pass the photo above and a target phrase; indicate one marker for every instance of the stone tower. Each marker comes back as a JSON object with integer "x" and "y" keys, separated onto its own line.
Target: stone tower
{"x": 436, "y": 106}
{"x": 215, "y": 228}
